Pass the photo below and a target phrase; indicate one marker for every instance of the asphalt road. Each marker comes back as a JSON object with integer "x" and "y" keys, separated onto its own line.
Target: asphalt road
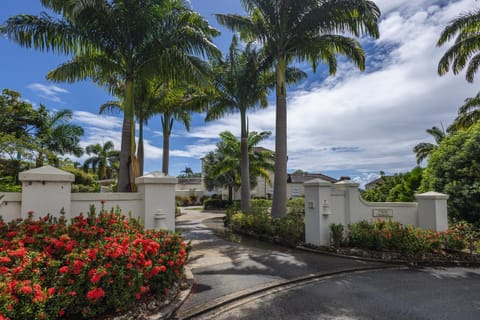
{"x": 452, "y": 293}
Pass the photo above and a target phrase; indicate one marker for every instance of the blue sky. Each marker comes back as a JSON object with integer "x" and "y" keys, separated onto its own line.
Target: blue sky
{"x": 356, "y": 123}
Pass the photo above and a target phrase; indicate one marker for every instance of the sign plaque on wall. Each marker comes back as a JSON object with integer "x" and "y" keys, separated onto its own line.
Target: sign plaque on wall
{"x": 382, "y": 213}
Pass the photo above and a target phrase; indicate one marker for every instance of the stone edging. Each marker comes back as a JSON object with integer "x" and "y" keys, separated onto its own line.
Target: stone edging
{"x": 420, "y": 263}
{"x": 169, "y": 310}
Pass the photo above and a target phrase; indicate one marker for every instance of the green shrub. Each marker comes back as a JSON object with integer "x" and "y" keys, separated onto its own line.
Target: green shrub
{"x": 258, "y": 220}
{"x": 336, "y": 233}
{"x": 409, "y": 240}
{"x": 291, "y": 228}
{"x": 7, "y": 184}
{"x": 215, "y": 204}
{"x": 96, "y": 264}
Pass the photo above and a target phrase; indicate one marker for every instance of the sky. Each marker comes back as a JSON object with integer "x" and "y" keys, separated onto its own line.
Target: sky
{"x": 354, "y": 123}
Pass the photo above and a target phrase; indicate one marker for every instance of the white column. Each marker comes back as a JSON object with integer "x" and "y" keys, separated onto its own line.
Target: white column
{"x": 46, "y": 190}
{"x": 317, "y": 212}
{"x": 432, "y": 211}
{"x": 159, "y": 200}
{"x": 352, "y": 196}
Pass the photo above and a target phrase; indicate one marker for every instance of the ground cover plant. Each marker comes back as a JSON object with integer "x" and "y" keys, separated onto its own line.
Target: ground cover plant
{"x": 51, "y": 269}
{"x": 258, "y": 221}
{"x": 405, "y": 239}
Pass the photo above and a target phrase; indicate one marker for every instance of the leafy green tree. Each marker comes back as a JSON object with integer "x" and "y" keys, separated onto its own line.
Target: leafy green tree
{"x": 127, "y": 39}
{"x": 302, "y": 30}
{"x": 16, "y": 116}
{"x": 424, "y": 149}
{"x": 465, "y": 51}
{"x": 454, "y": 169}
{"x": 400, "y": 187}
{"x": 54, "y": 135}
{"x": 222, "y": 166}
{"x": 17, "y": 119}
{"x": 102, "y": 159}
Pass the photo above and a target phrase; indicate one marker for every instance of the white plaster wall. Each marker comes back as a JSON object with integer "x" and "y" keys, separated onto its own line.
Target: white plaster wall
{"x": 128, "y": 202}
{"x": 45, "y": 197}
{"x": 188, "y": 187}
{"x": 404, "y": 212}
{"x": 10, "y": 205}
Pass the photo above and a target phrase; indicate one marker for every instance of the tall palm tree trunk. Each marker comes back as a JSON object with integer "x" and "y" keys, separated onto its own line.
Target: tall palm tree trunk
{"x": 279, "y": 203}
{"x": 166, "y": 153}
{"x": 167, "y": 123}
{"x": 126, "y": 154}
{"x": 244, "y": 164}
{"x": 140, "y": 150}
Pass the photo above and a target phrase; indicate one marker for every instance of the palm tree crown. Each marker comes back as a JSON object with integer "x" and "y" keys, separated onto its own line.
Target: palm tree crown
{"x": 128, "y": 39}
{"x": 424, "y": 149}
{"x": 305, "y": 30}
{"x": 103, "y": 158}
{"x": 466, "y": 48}
{"x": 56, "y": 135}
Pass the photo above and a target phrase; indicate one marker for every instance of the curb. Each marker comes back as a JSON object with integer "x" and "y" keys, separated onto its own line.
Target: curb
{"x": 419, "y": 263}
{"x": 169, "y": 310}
{"x": 241, "y": 295}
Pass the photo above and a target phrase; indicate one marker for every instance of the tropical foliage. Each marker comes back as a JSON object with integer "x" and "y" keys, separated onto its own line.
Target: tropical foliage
{"x": 55, "y": 135}
{"x": 222, "y": 166}
{"x": 454, "y": 169}
{"x": 156, "y": 35}
{"x": 424, "y": 149}
{"x": 102, "y": 262}
{"x": 241, "y": 83}
{"x": 258, "y": 222}
{"x": 400, "y": 187}
{"x": 104, "y": 159}
{"x": 304, "y": 30}
{"x": 465, "y": 51}
{"x": 468, "y": 114}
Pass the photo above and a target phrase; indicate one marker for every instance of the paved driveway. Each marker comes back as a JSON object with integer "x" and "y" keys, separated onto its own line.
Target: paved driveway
{"x": 226, "y": 269}
{"x": 387, "y": 294}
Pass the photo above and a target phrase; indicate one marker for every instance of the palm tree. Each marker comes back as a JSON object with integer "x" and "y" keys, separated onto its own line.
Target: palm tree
{"x": 142, "y": 111}
{"x": 468, "y": 114}
{"x": 466, "y": 48}
{"x": 241, "y": 84}
{"x": 424, "y": 149}
{"x": 175, "y": 101}
{"x": 305, "y": 30}
{"x": 103, "y": 157}
{"x": 130, "y": 39}
{"x": 222, "y": 166}
{"x": 54, "y": 135}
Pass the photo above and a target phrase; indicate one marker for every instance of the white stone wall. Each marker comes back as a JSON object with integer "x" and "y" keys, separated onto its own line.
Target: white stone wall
{"x": 327, "y": 203}
{"x": 10, "y": 205}
{"x": 48, "y": 190}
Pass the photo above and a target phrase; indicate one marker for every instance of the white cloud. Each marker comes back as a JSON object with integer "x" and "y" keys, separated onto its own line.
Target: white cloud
{"x": 96, "y": 120}
{"x": 49, "y": 92}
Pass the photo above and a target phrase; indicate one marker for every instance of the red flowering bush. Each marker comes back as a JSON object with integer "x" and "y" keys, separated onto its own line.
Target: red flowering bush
{"x": 98, "y": 263}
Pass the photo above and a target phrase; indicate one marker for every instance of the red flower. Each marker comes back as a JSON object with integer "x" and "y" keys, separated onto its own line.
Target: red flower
{"x": 63, "y": 269}
{"x": 95, "y": 294}
{"x": 51, "y": 291}
{"x": 26, "y": 290}
{"x": 163, "y": 268}
{"x": 5, "y": 260}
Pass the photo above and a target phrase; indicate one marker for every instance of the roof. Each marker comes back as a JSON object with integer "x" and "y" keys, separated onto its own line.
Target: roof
{"x": 303, "y": 177}
{"x": 261, "y": 149}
